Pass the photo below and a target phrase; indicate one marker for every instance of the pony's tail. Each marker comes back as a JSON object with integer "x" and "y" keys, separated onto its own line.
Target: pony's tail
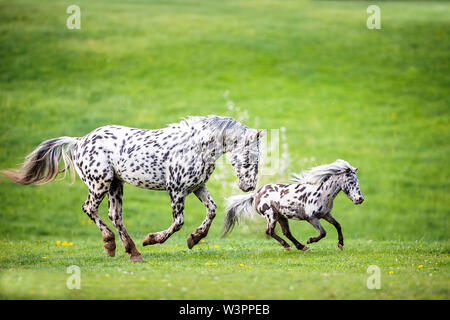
{"x": 237, "y": 207}
{"x": 42, "y": 165}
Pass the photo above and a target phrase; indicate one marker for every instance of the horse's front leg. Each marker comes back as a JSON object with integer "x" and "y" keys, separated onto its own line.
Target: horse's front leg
{"x": 316, "y": 224}
{"x": 177, "y": 201}
{"x": 203, "y": 195}
{"x": 336, "y": 224}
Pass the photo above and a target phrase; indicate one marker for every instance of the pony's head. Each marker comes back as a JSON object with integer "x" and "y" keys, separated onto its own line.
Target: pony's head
{"x": 350, "y": 185}
{"x": 344, "y": 174}
{"x": 245, "y": 158}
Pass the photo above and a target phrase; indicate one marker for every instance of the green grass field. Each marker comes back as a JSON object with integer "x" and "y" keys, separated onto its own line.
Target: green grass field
{"x": 376, "y": 98}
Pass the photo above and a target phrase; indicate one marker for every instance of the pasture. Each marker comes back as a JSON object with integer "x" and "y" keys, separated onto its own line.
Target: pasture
{"x": 310, "y": 69}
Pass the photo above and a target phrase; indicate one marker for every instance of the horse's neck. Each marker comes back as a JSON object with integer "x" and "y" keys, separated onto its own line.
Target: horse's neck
{"x": 211, "y": 143}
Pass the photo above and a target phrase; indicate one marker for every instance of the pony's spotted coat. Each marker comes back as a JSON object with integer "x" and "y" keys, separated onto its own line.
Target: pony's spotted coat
{"x": 179, "y": 159}
{"x": 310, "y": 199}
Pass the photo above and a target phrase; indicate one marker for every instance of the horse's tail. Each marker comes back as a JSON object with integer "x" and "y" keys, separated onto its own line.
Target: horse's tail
{"x": 42, "y": 165}
{"x": 237, "y": 207}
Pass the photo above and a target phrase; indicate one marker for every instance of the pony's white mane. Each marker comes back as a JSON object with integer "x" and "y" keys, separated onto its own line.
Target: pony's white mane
{"x": 317, "y": 174}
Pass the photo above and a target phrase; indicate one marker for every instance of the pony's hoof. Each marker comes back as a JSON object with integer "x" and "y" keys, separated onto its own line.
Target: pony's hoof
{"x": 110, "y": 248}
{"x": 137, "y": 258}
{"x": 288, "y": 248}
{"x": 192, "y": 240}
{"x": 305, "y": 248}
{"x": 340, "y": 246}
{"x": 151, "y": 238}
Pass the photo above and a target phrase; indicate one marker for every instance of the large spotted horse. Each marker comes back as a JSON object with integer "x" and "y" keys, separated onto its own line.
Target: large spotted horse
{"x": 179, "y": 159}
{"x": 310, "y": 198}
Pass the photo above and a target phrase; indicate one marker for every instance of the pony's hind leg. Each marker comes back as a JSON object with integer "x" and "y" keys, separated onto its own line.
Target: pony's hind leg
{"x": 115, "y": 196}
{"x": 271, "y": 223}
{"x": 284, "y": 223}
{"x": 203, "y": 195}
{"x": 177, "y": 202}
{"x": 90, "y": 207}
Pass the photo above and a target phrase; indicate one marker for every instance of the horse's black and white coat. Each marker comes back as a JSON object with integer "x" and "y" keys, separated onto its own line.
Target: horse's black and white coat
{"x": 310, "y": 198}
{"x": 179, "y": 159}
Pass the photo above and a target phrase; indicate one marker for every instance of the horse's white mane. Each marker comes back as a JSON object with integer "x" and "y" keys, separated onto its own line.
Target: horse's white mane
{"x": 217, "y": 123}
{"x": 317, "y": 174}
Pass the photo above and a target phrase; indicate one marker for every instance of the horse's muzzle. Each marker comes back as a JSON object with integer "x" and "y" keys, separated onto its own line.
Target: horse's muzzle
{"x": 359, "y": 200}
{"x": 247, "y": 188}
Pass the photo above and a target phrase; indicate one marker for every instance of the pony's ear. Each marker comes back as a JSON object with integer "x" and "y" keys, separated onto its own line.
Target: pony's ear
{"x": 348, "y": 170}
{"x": 261, "y": 133}
{"x": 356, "y": 170}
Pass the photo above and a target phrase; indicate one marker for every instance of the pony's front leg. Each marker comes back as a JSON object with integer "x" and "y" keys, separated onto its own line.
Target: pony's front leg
{"x": 316, "y": 224}
{"x": 336, "y": 224}
{"x": 203, "y": 195}
{"x": 177, "y": 201}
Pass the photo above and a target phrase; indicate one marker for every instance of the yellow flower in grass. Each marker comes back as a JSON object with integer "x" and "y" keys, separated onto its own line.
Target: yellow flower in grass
{"x": 44, "y": 258}
{"x": 420, "y": 266}
{"x": 202, "y": 241}
{"x": 216, "y": 246}
{"x": 58, "y": 242}
{"x": 241, "y": 265}
{"x": 64, "y": 243}
{"x": 391, "y": 272}
{"x": 208, "y": 263}
{"x": 107, "y": 275}
{"x": 70, "y": 244}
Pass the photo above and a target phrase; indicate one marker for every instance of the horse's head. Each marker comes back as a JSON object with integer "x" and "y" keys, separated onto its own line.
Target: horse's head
{"x": 350, "y": 185}
{"x": 245, "y": 159}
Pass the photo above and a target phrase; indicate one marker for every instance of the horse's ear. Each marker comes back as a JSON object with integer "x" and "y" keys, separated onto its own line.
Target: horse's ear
{"x": 348, "y": 170}
{"x": 261, "y": 133}
{"x": 356, "y": 170}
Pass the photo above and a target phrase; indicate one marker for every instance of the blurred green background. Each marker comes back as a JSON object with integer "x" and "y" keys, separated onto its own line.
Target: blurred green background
{"x": 376, "y": 98}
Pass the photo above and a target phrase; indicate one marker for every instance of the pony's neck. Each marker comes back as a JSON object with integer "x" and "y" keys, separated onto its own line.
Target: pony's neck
{"x": 331, "y": 187}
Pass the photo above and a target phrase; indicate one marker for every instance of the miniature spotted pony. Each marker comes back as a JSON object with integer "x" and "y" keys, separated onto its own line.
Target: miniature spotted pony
{"x": 310, "y": 198}
{"x": 179, "y": 159}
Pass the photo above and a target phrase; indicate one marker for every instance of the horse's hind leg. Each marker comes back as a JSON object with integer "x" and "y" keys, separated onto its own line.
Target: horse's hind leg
{"x": 115, "y": 196}
{"x": 90, "y": 207}
{"x": 177, "y": 201}
{"x": 203, "y": 195}
{"x": 283, "y": 221}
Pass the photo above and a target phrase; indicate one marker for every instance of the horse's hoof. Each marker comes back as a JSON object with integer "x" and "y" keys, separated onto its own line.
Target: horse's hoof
{"x": 288, "y": 248}
{"x": 192, "y": 240}
{"x": 341, "y": 246}
{"x": 151, "y": 238}
{"x": 305, "y": 248}
{"x": 137, "y": 258}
